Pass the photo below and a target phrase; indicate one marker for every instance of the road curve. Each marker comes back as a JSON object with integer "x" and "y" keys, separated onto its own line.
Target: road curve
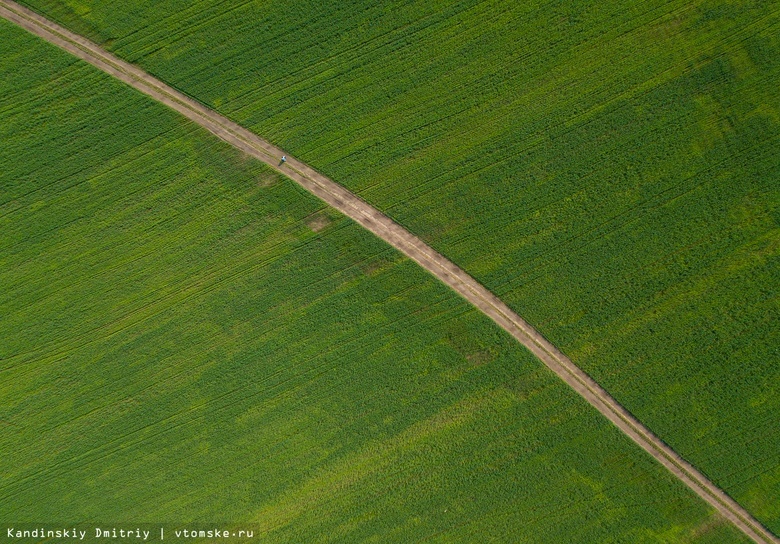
{"x": 394, "y": 234}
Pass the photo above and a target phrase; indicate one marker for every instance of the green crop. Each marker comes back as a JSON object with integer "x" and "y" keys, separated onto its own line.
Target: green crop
{"x": 610, "y": 169}
{"x": 188, "y": 337}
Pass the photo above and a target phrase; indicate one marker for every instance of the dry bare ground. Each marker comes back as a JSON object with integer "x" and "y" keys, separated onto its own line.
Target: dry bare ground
{"x": 384, "y": 227}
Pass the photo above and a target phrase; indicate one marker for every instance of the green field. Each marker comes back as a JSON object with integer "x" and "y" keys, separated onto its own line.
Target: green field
{"x": 608, "y": 169}
{"x": 179, "y": 345}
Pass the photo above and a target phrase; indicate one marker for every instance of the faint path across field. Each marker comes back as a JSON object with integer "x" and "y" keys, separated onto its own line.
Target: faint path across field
{"x": 384, "y": 227}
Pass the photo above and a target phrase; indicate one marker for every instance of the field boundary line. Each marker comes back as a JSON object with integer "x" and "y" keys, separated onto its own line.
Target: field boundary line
{"x": 397, "y": 236}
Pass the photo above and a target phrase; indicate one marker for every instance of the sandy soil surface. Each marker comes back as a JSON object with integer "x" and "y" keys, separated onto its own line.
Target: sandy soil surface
{"x": 385, "y": 228}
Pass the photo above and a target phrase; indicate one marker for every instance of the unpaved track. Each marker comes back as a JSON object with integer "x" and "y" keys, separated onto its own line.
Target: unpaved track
{"x": 381, "y": 225}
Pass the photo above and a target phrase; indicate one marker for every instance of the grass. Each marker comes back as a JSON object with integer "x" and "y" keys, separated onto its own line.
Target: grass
{"x": 179, "y": 346}
{"x": 609, "y": 170}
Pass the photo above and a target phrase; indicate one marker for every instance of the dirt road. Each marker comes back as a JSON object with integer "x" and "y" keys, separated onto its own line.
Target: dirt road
{"x": 382, "y": 226}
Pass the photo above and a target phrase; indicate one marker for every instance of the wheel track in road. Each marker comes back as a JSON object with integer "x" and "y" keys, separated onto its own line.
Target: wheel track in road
{"x": 382, "y": 226}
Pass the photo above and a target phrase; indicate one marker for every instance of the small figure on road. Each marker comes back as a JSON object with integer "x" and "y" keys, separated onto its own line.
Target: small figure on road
{"x": 284, "y": 159}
